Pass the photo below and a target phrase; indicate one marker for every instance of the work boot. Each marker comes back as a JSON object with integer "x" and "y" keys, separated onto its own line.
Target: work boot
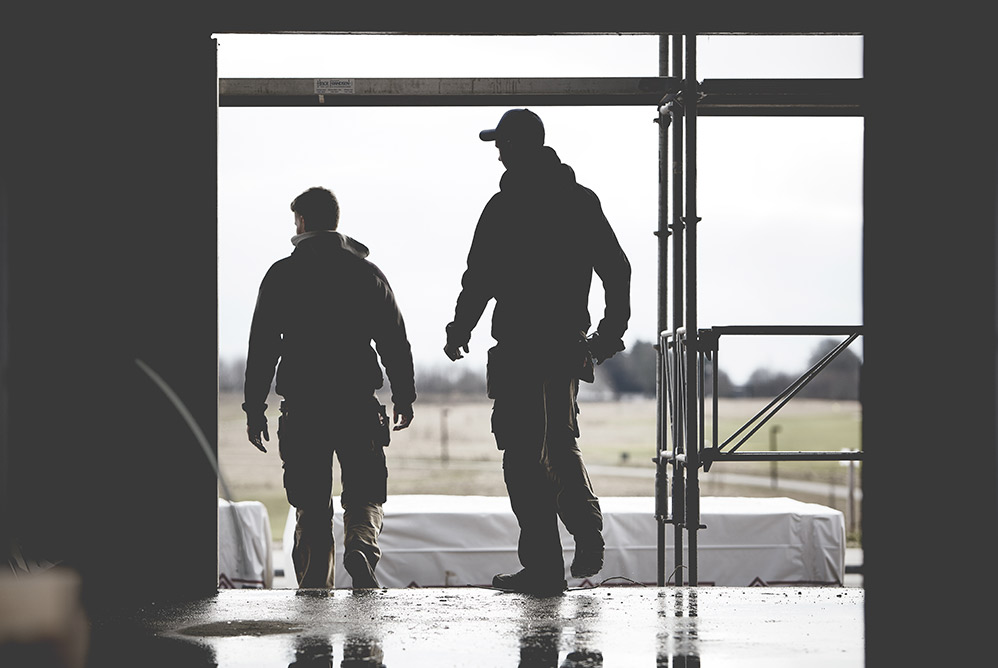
{"x": 360, "y": 570}
{"x": 588, "y": 558}
{"x": 527, "y": 583}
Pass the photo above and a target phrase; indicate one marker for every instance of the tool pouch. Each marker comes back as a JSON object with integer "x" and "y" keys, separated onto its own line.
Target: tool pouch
{"x": 382, "y": 428}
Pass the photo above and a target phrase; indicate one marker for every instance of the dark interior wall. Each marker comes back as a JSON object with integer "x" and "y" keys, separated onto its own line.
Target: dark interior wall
{"x": 930, "y": 509}
{"x": 108, "y": 164}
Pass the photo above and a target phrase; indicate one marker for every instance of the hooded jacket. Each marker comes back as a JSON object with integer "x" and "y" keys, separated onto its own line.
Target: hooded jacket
{"x": 536, "y": 246}
{"x": 318, "y": 312}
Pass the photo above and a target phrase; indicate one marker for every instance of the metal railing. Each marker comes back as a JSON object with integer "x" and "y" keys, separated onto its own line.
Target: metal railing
{"x": 694, "y": 446}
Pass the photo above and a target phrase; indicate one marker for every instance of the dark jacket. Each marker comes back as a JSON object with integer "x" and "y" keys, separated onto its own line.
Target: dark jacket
{"x": 537, "y": 243}
{"x": 318, "y": 311}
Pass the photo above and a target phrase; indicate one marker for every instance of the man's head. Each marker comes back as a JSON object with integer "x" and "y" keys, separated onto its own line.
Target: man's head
{"x": 316, "y": 209}
{"x": 519, "y": 134}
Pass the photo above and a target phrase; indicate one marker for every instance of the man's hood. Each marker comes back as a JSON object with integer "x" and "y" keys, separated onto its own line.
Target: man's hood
{"x": 545, "y": 171}
{"x": 322, "y": 240}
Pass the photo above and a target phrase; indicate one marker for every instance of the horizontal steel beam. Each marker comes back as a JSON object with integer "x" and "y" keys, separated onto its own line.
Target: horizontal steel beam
{"x": 714, "y": 455}
{"x": 784, "y": 330}
{"x": 720, "y": 97}
{"x": 779, "y": 456}
{"x": 781, "y": 97}
{"x": 345, "y": 92}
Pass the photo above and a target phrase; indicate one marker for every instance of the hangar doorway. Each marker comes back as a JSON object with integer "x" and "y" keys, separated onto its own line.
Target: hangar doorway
{"x": 604, "y": 132}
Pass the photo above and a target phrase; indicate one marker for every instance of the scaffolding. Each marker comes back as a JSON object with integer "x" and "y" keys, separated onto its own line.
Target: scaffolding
{"x": 684, "y": 351}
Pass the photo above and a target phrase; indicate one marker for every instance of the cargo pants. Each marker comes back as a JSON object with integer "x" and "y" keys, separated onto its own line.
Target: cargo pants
{"x": 535, "y": 424}
{"x": 309, "y": 434}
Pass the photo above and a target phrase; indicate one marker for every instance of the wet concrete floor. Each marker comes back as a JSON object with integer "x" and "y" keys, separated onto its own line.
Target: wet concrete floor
{"x": 611, "y": 626}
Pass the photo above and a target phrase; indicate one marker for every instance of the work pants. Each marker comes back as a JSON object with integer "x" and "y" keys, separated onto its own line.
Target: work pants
{"x": 309, "y": 434}
{"x": 534, "y": 421}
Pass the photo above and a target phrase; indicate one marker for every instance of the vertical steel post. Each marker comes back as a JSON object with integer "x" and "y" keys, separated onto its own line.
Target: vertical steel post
{"x": 701, "y": 391}
{"x": 774, "y": 479}
{"x": 678, "y": 445}
{"x": 690, "y": 92}
{"x": 661, "y": 479}
{"x": 852, "y": 496}
{"x": 715, "y": 372}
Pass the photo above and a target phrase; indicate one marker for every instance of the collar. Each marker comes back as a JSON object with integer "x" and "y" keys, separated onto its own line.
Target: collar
{"x": 298, "y": 238}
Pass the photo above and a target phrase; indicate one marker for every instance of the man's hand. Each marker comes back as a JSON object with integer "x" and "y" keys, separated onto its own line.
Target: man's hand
{"x": 254, "y": 438}
{"x": 402, "y": 417}
{"x": 256, "y": 424}
{"x": 454, "y": 351}
{"x": 602, "y": 348}
{"x": 256, "y": 430}
{"x": 455, "y": 343}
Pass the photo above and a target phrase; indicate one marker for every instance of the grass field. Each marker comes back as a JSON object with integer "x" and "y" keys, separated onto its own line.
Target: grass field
{"x": 449, "y": 449}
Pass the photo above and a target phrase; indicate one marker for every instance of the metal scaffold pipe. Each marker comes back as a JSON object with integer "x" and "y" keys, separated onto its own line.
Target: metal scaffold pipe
{"x": 661, "y": 480}
{"x": 678, "y": 292}
{"x": 690, "y": 93}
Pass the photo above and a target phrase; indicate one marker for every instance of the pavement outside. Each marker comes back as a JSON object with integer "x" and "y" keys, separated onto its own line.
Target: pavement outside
{"x": 609, "y": 626}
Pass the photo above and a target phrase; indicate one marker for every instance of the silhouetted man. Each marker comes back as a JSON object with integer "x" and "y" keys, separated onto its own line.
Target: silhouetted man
{"x": 537, "y": 243}
{"x": 318, "y": 312}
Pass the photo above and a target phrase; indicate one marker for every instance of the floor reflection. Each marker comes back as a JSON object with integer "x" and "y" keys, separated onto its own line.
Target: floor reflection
{"x": 312, "y": 652}
{"x": 549, "y": 624}
{"x": 362, "y": 652}
{"x": 679, "y": 642}
{"x": 583, "y": 654}
{"x": 540, "y": 631}
{"x": 358, "y": 652}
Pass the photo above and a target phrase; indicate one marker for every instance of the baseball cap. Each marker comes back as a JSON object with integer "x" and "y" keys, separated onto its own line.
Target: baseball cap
{"x": 520, "y": 125}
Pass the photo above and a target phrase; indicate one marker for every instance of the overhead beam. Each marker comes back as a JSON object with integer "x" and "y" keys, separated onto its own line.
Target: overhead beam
{"x": 781, "y": 97}
{"x": 346, "y": 92}
{"x": 720, "y": 97}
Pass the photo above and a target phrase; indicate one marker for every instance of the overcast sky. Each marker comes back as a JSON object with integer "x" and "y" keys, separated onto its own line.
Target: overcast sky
{"x": 780, "y": 199}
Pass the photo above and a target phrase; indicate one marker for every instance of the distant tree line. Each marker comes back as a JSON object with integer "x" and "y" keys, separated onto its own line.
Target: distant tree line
{"x": 632, "y": 372}
{"x": 450, "y": 381}
{"x": 839, "y": 380}
{"x": 436, "y": 381}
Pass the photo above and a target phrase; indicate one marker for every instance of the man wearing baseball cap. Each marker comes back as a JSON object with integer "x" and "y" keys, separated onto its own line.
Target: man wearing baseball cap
{"x": 537, "y": 243}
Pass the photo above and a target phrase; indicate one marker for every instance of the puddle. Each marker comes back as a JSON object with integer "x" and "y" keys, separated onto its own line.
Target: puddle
{"x": 240, "y": 628}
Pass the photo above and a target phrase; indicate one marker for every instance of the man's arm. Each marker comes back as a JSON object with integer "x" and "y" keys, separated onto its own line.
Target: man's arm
{"x": 261, "y": 360}
{"x": 614, "y": 270}
{"x": 392, "y": 344}
{"x": 477, "y": 283}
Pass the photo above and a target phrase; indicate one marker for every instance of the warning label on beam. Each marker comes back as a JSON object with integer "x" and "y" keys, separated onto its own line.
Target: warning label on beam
{"x": 333, "y": 86}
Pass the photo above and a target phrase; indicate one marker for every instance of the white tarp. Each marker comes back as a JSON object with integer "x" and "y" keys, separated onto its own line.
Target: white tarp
{"x": 245, "y": 524}
{"x": 437, "y": 541}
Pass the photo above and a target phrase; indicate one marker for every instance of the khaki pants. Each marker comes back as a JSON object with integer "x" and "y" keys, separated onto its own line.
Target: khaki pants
{"x": 309, "y": 435}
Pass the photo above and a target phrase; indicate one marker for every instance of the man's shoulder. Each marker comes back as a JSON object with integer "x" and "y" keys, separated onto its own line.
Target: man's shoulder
{"x": 279, "y": 267}
{"x": 373, "y": 269}
{"x": 361, "y": 268}
{"x": 497, "y": 199}
{"x": 584, "y": 192}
